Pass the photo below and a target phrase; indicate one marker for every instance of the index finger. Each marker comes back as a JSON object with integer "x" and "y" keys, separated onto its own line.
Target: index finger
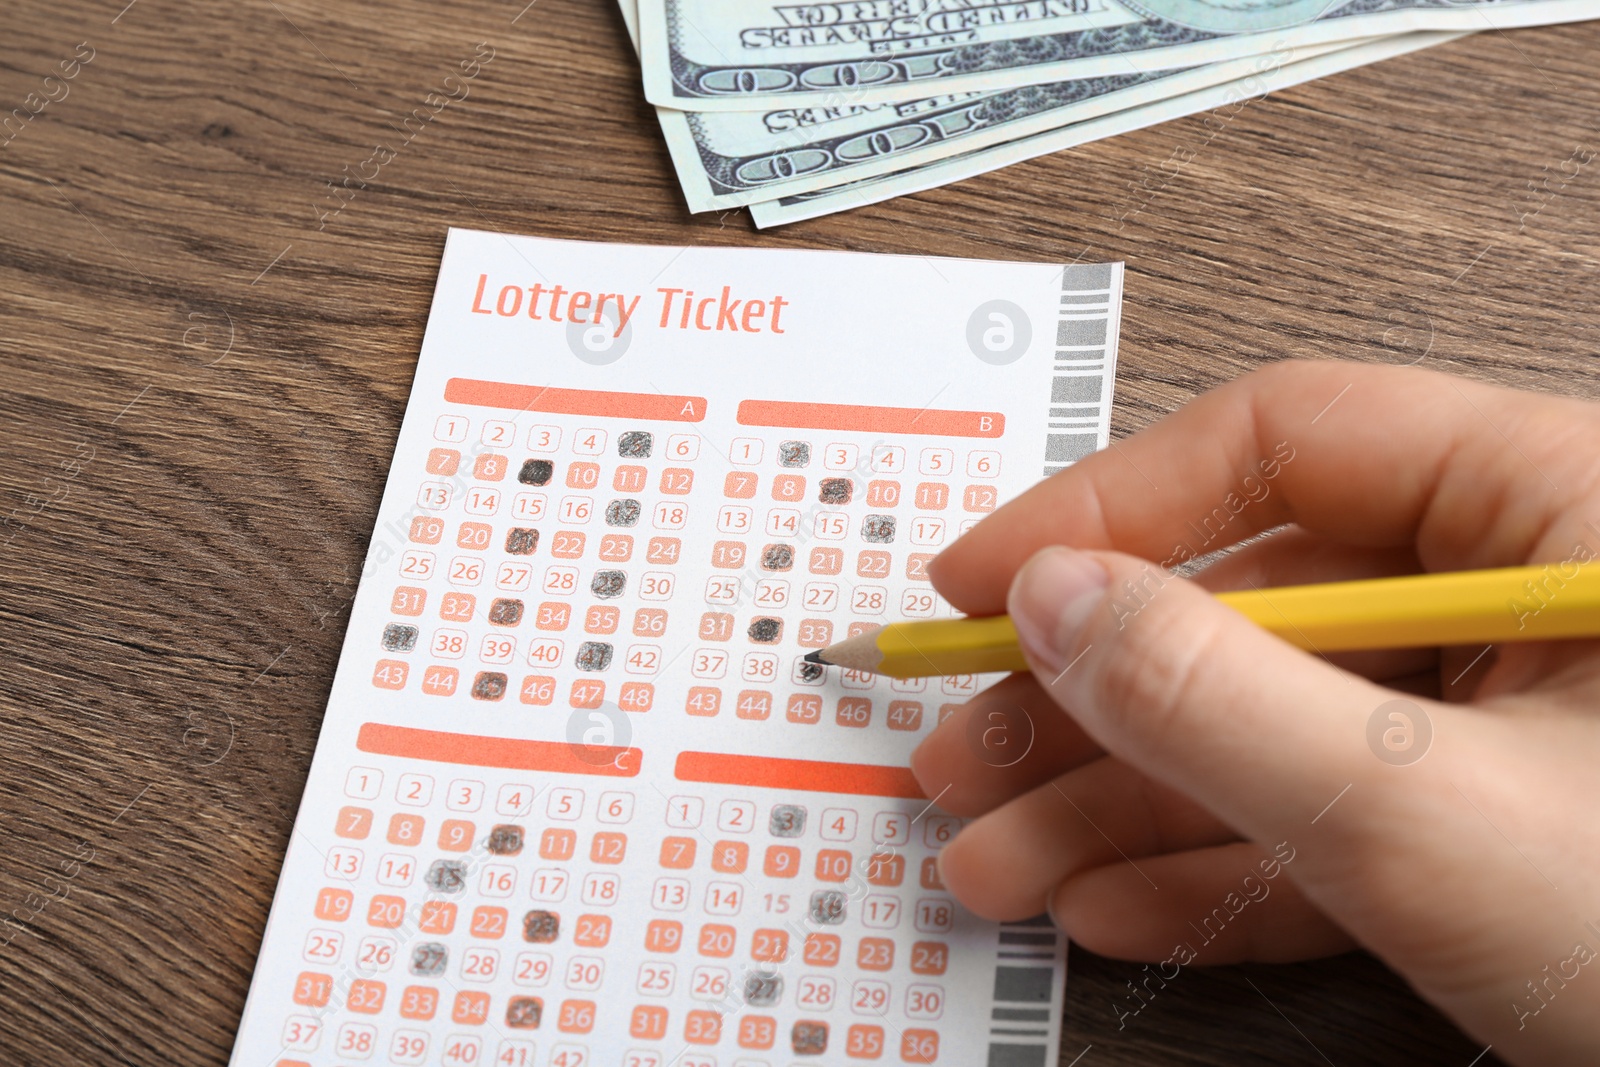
{"x": 1367, "y": 455}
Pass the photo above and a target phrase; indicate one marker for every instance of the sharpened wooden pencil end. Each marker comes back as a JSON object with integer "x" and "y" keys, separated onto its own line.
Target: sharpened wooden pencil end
{"x": 859, "y": 653}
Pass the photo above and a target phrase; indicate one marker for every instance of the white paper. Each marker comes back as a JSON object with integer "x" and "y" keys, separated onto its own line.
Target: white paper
{"x": 574, "y": 802}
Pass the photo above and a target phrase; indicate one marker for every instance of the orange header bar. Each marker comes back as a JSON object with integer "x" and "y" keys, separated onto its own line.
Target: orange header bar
{"x": 815, "y": 776}
{"x": 575, "y": 401}
{"x": 556, "y": 757}
{"x": 871, "y": 419}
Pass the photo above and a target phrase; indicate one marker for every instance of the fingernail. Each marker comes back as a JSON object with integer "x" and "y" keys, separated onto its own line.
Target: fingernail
{"x": 1051, "y": 598}
{"x": 1050, "y": 908}
{"x": 916, "y": 760}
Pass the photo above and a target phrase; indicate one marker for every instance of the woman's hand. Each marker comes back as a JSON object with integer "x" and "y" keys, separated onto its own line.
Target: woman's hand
{"x": 1195, "y": 791}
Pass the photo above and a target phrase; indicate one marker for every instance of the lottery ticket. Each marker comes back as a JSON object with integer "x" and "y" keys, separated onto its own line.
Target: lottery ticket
{"x": 578, "y": 800}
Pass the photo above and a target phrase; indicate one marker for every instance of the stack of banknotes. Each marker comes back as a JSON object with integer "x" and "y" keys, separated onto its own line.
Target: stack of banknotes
{"x": 800, "y": 109}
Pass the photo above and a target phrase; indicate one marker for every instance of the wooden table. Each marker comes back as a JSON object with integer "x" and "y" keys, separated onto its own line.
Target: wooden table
{"x": 205, "y": 371}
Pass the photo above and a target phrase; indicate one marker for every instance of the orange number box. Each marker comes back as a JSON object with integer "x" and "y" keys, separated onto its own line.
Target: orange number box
{"x": 586, "y": 693}
{"x": 366, "y": 996}
{"x": 405, "y": 829}
{"x": 636, "y": 696}
{"x": 312, "y": 989}
{"x": 904, "y": 715}
{"x": 702, "y": 1028}
{"x": 608, "y": 848}
{"x": 443, "y": 461}
{"x": 592, "y": 931}
{"x": 440, "y": 681}
{"x": 649, "y": 622}
{"x": 436, "y": 917}
{"x": 488, "y": 922}
{"x": 730, "y": 857}
{"x": 353, "y": 823}
{"x": 886, "y": 869}
{"x": 458, "y": 607}
{"x": 935, "y": 496}
{"x": 816, "y": 633}
{"x": 629, "y": 478}
{"x": 648, "y": 1023}
{"x": 390, "y": 674}
{"x": 717, "y": 940}
{"x": 875, "y": 954}
{"x": 677, "y": 853}
{"x": 716, "y": 626}
{"x": 575, "y": 1017}
{"x": 538, "y": 690}
{"x": 703, "y": 700}
{"x": 663, "y": 550}
{"x": 789, "y": 487}
{"x": 854, "y": 712}
{"x": 333, "y": 905}
{"x": 663, "y": 935}
{"x": 782, "y": 861}
{"x": 769, "y": 946}
{"x": 929, "y": 957}
{"x": 470, "y": 1008}
{"x": 455, "y": 835}
{"x": 833, "y": 865}
{"x": 919, "y": 1046}
{"x": 864, "y": 1042}
{"x": 557, "y": 844}
{"x": 979, "y": 498}
{"x": 386, "y": 912}
{"x": 827, "y": 560}
{"x": 872, "y": 564}
{"x": 804, "y": 708}
{"x": 757, "y": 1031}
{"x": 677, "y": 481}
{"x": 553, "y": 615}
{"x": 754, "y": 704}
{"x": 489, "y": 467}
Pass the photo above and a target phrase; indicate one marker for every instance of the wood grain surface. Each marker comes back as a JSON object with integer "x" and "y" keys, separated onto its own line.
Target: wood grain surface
{"x": 204, "y": 371}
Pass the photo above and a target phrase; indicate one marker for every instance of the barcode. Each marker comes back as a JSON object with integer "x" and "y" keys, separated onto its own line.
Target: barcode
{"x": 1024, "y": 990}
{"x": 1085, "y": 360}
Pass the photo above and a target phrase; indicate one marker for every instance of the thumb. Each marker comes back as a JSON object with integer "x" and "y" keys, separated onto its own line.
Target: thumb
{"x": 1191, "y": 693}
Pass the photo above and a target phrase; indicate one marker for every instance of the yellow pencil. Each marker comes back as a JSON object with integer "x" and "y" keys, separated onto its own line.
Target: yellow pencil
{"x": 1541, "y": 603}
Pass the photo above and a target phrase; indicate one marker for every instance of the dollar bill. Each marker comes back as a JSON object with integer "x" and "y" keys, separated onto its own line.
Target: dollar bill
{"x": 630, "y": 17}
{"x": 742, "y": 55}
{"x": 1225, "y": 100}
{"x": 727, "y": 159}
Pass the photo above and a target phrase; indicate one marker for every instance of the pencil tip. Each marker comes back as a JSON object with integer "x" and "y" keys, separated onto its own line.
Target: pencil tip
{"x": 816, "y": 657}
